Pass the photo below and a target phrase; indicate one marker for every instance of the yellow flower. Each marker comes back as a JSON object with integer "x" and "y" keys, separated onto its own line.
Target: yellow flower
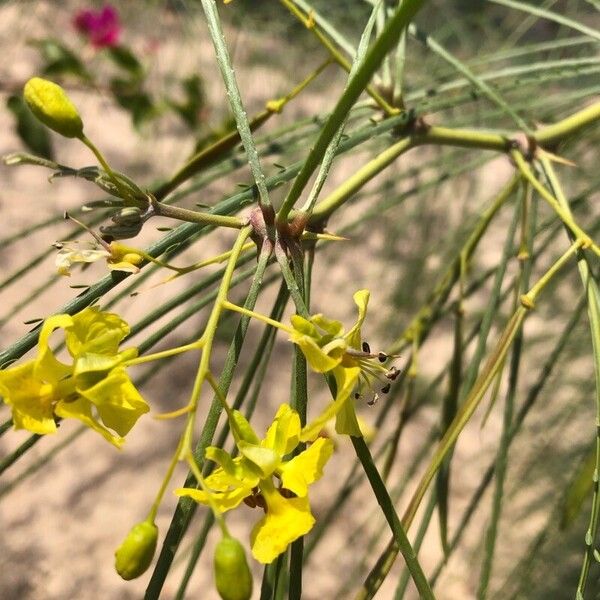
{"x": 261, "y": 476}
{"x": 329, "y": 350}
{"x": 118, "y": 257}
{"x": 94, "y": 388}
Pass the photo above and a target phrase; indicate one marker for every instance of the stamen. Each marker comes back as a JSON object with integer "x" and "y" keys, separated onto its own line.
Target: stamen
{"x": 393, "y": 373}
{"x": 373, "y": 400}
{"x": 386, "y": 388}
{"x": 366, "y": 348}
{"x": 382, "y": 356}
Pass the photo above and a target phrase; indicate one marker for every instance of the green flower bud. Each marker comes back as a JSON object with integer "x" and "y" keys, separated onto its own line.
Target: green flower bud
{"x": 51, "y": 105}
{"x": 135, "y": 554}
{"x": 232, "y": 574}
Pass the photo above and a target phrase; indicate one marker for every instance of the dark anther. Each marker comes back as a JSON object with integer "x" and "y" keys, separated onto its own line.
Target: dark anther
{"x": 382, "y": 356}
{"x": 260, "y": 502}
{"x": 366, "y": 348}
{"x": 356, "y": 395}
{"x": 250, "y": 501}
{"x": 392, "y": 373}
{"x": 287, "y": 493}
{"x": 373, "y": 400}
{"x": 386, "y": 388}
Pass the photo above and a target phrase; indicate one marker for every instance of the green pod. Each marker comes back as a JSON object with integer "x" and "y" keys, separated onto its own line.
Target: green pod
{"x": 232, "y": 574}
{"x": 51, "y": 105}
{"x": 135, "y": 554}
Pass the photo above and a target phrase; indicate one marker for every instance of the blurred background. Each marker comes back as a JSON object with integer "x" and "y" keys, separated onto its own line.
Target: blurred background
{"x": 154, "y": 97}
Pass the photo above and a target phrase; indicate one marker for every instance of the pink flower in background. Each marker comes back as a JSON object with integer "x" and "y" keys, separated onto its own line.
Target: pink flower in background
{"x": 101, "y": 27}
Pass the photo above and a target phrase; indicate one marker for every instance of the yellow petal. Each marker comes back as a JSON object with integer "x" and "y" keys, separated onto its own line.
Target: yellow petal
{"x": 47, "y": 366}
{"x": 282, "y": 435}
{"x": 345, "y": 378}
{"x": 346, "y": 422}
{"x": 242, "y": 430}
{"x": 124, "y": 266}
{"x": 318, "y": 360}
{"x": 332, "y": 327}
{"x": 286, "y": 520}
{"x": 117, "y": 400}
{"x": 95, "y": 331}
{"x": 306, "y": 468}
{"x": 81, "y": 409}
{"x": 304, "y": 326}
{"x": 361, "y": 299}
{"x": 222, "y": 458}
{"x": 223, "y": 500}
{"x": 30, "y": 399}
{"x": 264, "y": 458}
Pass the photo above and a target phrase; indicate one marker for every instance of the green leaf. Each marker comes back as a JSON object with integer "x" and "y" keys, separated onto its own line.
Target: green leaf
{"x": 124, "y": 58}
{"x": 130, "y": 96}
{"x": 33, "y": 134}
{"x": 194, "y": 101}
{"x": 60, "y": 60}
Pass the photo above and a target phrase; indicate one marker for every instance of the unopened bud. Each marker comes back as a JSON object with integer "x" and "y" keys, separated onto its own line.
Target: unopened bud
{"x": 232, "y": 574}
{"x": 135, "y": 554}
{"x": 51, "y": 105}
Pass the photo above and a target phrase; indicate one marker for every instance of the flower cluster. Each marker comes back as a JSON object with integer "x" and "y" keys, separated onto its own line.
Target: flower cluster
{"x": 94, "y": 388}
{"x": 264, "y": 475}
{"x": 101, "y": 27}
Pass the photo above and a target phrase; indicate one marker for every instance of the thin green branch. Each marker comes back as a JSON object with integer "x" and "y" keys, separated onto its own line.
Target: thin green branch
{"x": 357, "y": 84}
{"x": 235, "y": 99}
{"x": 387, "y": 506}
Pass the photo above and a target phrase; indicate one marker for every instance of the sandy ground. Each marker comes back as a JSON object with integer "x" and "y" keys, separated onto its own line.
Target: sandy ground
{"x": 60, "y": 525}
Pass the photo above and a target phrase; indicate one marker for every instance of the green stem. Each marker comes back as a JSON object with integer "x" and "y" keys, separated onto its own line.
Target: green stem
{"x": 252, "y": 314}
{"x": 563, "y": 214}
{"x": 208, "y": 156}
{"x": 528, "y": 227}
{"x": 165, "y": 482}
{"x": 254, "y": 372}
{"x": 593, "y": 301}
{"x": 208, "y": 337}
{"x": 337, "y": 56}
{"x": 195, "y": 216}
{"x": 544, "y": 374}
{"x": 288, "y": 276}
{"x": 186, "y": 507}
{"x": 125, "y": 194}
{"x": 235, "y": 99}
{"x": 422, "y": 531}
{"x": 483, "y": 382}
{"x": 300, "y": 405}
{"x": 140, "y": 360}
{"x": 551, "y": 135}
{"x": 380, "y": 48}
{"x": 399, "y": 533}
{"x": 462, "y": 138}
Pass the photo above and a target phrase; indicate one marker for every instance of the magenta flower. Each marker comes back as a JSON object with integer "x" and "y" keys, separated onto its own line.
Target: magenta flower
{"x": 101, "y": 27}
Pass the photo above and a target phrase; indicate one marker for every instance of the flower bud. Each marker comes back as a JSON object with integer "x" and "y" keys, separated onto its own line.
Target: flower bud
{"x": 51, "y": 105}
{"x": 232, "y": 574}
{"x": 135, "y": 554}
